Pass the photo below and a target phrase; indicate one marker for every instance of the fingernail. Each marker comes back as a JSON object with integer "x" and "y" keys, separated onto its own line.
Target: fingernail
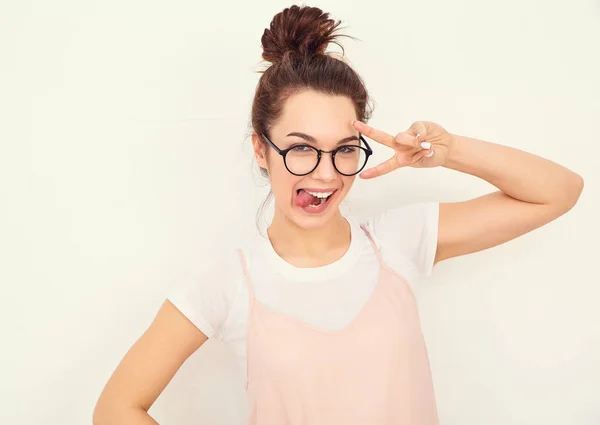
{"x": 430, "y": 154}
{"x": 353, "y": 121}
{"x": 425, "y": 145}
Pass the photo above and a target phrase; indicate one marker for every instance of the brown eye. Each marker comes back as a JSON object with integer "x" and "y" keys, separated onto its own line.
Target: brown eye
{"x": 301, "y": 149}
{"x": 347, "y": 149}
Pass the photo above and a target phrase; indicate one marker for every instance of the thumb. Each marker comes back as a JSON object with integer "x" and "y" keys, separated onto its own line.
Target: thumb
{"x": 406, "y": 138}
{"x": 419, "y": 131}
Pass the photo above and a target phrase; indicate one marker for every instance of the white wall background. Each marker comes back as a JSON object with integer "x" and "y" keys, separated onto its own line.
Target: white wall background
{"x": 125, "y": 161}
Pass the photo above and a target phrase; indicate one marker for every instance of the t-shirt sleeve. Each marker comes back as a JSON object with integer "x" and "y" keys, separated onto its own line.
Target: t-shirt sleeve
{"x": 410, "y": 230}
{"x": 206, "y": 293}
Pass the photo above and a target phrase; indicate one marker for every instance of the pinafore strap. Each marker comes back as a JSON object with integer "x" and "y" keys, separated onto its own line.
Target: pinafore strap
{"x": 373, "y": 244}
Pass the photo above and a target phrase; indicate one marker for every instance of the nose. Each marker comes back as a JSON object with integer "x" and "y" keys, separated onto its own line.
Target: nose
{"x": 325, "y": 171}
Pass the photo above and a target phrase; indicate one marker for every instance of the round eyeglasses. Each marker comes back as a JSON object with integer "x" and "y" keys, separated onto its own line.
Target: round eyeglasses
{"x": 303, "y": 159}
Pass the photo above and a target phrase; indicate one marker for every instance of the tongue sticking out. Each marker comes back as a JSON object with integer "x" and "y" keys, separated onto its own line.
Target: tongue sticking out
{"x": 304, "y": 199}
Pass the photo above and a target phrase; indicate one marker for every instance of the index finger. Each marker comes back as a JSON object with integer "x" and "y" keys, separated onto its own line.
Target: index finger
{"x": 375, "y": 134}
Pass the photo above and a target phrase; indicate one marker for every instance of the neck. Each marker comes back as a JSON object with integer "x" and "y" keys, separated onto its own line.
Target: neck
{"x": 309, "y": 247}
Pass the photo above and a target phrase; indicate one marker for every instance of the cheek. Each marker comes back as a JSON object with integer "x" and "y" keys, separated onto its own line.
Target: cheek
{"x": 348, "y": 182}
{"x": 282, "y": 182}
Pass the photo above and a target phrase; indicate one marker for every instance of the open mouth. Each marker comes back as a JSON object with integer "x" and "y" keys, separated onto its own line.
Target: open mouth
{"x": 311, "y": 201}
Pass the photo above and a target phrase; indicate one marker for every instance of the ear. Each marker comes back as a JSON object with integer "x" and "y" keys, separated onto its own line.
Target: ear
{"x": 259, "y": 151}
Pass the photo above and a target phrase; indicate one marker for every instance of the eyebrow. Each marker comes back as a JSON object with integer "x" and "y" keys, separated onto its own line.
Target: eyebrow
{"x": 309, "y": 138}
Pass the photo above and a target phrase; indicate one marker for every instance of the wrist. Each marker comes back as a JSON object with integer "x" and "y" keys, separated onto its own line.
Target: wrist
{"x": 455, "y": 148}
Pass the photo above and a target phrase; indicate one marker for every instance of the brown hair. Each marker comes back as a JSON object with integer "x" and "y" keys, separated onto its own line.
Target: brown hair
{"x": 295, "y": 44}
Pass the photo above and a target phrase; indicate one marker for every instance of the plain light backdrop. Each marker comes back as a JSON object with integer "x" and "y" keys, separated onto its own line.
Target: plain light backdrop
{"x": 125, "y": 160}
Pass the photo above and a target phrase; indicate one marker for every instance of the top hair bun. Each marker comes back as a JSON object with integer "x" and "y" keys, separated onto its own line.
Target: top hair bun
{"x": 304, "y": 31}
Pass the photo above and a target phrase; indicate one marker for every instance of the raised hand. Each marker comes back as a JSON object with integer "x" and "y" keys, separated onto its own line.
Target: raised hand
{"x": 425, "y": 144}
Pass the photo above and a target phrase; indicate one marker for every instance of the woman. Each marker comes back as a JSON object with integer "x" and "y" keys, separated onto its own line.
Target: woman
{"x": 321, "y": 313}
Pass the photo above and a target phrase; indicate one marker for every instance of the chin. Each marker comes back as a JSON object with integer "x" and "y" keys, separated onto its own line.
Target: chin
{"x": 309, "y": 223}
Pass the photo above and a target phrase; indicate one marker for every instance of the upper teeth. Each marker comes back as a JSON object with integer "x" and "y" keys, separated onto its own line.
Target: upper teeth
{"x": 319, "y": 194}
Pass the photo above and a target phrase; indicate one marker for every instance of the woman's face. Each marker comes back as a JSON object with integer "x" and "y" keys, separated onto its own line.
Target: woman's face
{"x": 321, "y": 121}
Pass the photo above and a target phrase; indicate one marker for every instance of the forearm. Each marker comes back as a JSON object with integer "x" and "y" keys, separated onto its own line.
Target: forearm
{"x": 520, "y": 175}
{"x": 129, "y": 416}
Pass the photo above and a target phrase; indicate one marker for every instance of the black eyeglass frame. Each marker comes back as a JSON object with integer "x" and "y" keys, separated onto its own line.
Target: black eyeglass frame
{"x": 283, "y": 153}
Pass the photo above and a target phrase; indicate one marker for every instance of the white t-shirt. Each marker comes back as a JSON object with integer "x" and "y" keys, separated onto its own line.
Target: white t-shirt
{"x": 216, "y": 298}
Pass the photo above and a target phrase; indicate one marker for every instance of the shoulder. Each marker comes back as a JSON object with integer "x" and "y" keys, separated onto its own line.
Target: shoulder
{"x": 405, "y": 221}
{"x": 207, "y": 290}
{"x": 220, "y": 266}
{"x": 404, "y": 217}
{"x": 410, "y": 231}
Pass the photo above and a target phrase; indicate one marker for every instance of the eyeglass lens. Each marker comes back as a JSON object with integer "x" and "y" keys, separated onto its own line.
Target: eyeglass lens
{"x": 347, "y": 159}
